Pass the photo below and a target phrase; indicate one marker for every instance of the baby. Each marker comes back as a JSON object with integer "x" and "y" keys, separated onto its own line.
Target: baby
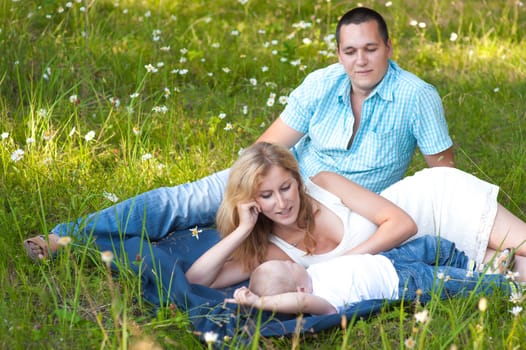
{"x": 428, "y": 264}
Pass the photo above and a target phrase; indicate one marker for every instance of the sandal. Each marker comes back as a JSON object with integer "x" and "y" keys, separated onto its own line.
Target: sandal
{"x": 501, "y": 263}
{"x": 48, "y": 247}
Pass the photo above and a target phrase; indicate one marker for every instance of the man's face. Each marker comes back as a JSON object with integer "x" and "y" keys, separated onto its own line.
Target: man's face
{"x": 364, "y": 55}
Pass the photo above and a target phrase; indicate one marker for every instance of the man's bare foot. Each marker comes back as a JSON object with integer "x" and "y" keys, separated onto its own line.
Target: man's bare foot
{"x": 39, "y": 248}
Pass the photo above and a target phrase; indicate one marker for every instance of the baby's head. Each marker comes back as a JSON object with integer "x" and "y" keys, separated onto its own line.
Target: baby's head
{"x": 279, "y": 276}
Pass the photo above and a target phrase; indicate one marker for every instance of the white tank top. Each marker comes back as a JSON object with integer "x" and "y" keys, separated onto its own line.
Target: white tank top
{"x": 356, "y": 229}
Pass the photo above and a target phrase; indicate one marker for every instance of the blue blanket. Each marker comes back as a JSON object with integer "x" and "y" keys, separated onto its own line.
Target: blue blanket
{"x": 162, "y": 266}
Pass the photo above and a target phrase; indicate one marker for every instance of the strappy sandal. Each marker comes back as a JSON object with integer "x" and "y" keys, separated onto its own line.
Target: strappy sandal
{"x": 501, "y": 263}
{"x": 48, "y": 247}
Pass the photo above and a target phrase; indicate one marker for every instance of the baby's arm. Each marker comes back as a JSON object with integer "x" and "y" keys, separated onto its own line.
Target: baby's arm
{"x": 291, "y": 303}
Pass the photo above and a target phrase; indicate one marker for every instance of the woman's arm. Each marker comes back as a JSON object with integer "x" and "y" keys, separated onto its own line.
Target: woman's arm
{"x": 213, "y": 268}
{"x": 394, "y": 224}
{"x": 290, "y": 303}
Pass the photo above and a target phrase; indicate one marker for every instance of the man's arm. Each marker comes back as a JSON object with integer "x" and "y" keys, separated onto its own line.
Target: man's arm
{"x": 444, "y": 158}
{"x": 280, "y": 133}
{"x": 290, "y": 303}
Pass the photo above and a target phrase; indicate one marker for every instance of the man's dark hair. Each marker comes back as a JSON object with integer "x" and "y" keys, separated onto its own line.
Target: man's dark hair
{"x": 359, "y": 15}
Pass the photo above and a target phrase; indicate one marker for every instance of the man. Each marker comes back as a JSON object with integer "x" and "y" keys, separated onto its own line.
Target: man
{"x": 362, "y": 117}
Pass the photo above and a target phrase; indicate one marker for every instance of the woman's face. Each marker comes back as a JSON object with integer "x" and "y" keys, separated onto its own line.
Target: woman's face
{"x": 278, "y": 196}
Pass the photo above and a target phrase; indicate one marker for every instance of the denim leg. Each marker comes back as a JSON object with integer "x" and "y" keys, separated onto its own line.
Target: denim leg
{"x": 446, "y": 281}
{"x": 155, "y": 213}
{"x": 431, "y": 250}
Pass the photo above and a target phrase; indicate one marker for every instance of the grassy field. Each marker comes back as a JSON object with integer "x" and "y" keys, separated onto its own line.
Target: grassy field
{"x": 101, "y": 100}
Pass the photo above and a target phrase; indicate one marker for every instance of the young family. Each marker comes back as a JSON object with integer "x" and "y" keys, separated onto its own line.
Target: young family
{"x": 307, "y": 190}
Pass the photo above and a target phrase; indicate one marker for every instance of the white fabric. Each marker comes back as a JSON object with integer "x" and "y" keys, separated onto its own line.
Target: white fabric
{"x": 443, "y": 201}
{"x": 351, "y": 278}
{"x": 356, "y": 229}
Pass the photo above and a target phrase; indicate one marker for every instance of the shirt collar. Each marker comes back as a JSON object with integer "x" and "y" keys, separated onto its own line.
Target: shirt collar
{"x": 344, "y": 90}
{"x": 385, "y": 89}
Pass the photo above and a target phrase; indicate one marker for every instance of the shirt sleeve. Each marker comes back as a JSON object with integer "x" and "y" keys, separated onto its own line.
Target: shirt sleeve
{"x": 299, "y": 110}
{"x": 430, "y": 130}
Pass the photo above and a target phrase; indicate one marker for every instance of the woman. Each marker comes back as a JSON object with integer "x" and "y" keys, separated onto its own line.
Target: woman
{"x": 268, "y": 213}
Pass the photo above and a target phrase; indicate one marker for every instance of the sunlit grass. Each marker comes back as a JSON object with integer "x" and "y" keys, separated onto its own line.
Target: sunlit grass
{"x": 102, "y": 100}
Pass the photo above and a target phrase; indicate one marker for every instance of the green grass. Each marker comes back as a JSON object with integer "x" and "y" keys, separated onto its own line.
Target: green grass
{"x": 205, "y": 54}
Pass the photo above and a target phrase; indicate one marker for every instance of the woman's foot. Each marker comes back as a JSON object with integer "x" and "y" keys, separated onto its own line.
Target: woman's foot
{"x": 39, "y": 248}
{"x": 501, "y": 263}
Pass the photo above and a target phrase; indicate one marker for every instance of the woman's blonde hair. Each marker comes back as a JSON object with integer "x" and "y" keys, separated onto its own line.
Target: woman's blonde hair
{"x": 246, "y": 175}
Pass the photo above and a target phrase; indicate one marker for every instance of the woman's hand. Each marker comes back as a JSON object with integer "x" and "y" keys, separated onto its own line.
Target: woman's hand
{"x": 248, "y": 215}
{"x": 215, "y": 268}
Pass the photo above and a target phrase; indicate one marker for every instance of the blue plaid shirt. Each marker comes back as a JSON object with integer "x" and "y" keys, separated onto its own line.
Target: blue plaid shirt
{"x": 403, "y": 111}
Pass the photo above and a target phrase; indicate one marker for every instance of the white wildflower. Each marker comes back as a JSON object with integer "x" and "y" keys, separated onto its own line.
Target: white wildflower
{"x": 146, "y": 156}
{"x": 89, "y": 136}
{"x": 422, "y": 316}
{"x": 516, "y": 310}
{"x": 74, "y": 99}
{"x": 210, "y": 337}
{"x": 160, "y": 109}
{"x": 195, "y": 232}
{"x": 110, "y": 196}
{"x": 17, "y": 155}
{"x": 151, "y": 69}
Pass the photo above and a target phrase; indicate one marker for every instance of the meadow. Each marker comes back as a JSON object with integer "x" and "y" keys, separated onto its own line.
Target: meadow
{"x": 101, "y": 100}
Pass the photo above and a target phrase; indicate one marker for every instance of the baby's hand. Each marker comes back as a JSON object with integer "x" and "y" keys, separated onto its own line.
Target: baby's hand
{"x": 243, "y": 296}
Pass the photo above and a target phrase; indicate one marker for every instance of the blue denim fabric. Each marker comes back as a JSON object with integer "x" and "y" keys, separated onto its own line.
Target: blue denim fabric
{"x": 434, "y": 265}
{"x": 156, "y": 213}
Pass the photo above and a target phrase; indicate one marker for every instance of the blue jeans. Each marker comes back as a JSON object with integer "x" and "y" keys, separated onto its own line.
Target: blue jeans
{"x": 156, "y": 213}
{"x": 434, "y": 265}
